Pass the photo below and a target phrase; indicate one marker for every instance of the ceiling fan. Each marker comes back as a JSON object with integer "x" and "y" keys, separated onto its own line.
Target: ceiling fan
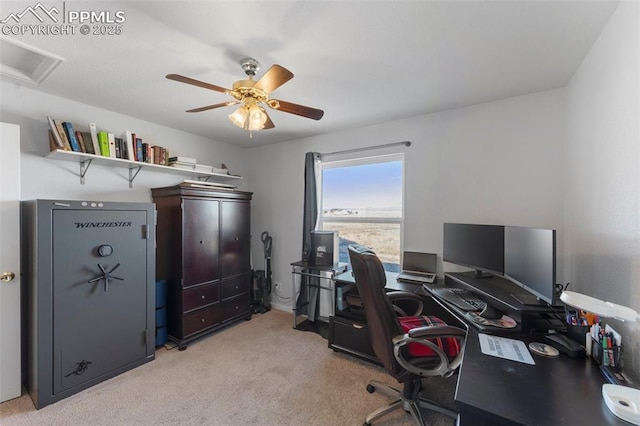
{"x": 251, "y": 94}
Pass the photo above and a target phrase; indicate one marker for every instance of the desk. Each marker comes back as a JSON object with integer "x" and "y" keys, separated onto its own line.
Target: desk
{"x": 304, "y": 310}
{"x": 555, "y": 391}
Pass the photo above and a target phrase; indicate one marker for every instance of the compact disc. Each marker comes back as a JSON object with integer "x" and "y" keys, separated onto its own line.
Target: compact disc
{"x": 543, "y": 349}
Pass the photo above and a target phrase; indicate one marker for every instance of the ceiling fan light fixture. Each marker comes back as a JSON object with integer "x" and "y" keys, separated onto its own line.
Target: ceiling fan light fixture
{"x": 257, "y": 117}
{"x": 239, "y": 116}
{"x": 250, "y": 116}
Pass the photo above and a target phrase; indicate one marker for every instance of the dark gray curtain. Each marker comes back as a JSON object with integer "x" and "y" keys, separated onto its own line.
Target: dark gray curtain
{"x": 310, "y": 214}
{"x": 309, "y": 285}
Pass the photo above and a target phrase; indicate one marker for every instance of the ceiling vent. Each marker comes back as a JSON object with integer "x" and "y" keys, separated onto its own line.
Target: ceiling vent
{"x": 25, "y": 64}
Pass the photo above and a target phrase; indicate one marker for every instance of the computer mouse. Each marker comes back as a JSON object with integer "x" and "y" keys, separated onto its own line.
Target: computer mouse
{"x": 489, "y": 312}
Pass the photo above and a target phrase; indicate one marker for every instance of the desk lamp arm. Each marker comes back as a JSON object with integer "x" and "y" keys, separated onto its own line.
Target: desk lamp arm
{"x": 599, "y": 307}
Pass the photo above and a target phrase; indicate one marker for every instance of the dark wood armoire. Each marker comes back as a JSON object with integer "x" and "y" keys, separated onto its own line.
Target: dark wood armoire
{"x": 204, "y": 253}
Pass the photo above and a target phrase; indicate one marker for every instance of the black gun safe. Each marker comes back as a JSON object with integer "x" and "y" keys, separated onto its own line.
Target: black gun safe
{"x": 89, "y": 293}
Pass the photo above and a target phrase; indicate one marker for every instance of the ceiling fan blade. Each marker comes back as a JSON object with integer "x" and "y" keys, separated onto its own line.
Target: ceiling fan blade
{"x": 187, "y": 80}
{"x": 268, "y": 124}
{"x": 275, "y": 77}
{"x": 208, "y": 107}
{"x": 296, "y": 109}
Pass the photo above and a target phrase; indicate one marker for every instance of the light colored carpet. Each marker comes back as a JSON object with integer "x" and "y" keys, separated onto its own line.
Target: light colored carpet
{"x": 260, "y": 372}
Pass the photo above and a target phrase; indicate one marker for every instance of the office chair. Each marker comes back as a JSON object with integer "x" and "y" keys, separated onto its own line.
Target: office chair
{"x": 407, "y": 352}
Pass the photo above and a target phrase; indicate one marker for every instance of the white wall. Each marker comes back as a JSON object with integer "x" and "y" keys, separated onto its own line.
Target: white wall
{"x": 45, "y": 178}
{"x": 602, "y": 216}
{"x": 495, "y": 163}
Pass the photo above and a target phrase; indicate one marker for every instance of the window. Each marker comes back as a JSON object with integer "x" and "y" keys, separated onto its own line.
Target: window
{"x": 362, "y": 199}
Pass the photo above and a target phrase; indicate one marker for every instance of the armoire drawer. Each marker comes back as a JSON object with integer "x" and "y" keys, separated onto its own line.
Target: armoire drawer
{"x": 234, "y": 307}
{"x": 235, "y": 287}
{"x": 201, "y": 319}
{"x": 197, "y": 297}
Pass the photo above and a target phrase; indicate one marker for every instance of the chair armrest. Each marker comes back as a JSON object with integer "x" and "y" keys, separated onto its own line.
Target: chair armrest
{"x": 437, "y": 331}
{"x": 422, "y": 335}
{"x": 402, "y": 296}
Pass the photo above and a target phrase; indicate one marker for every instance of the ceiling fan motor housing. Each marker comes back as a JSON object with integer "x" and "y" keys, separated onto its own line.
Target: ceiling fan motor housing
{"x": 250, "y": 66}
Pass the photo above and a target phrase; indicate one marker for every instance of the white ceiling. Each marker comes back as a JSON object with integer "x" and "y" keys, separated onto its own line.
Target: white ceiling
{"x": 362, "y": 62}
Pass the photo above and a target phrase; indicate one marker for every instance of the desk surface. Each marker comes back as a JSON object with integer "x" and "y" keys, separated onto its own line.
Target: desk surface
{"x": 496, "y": 391}
{"x": 554, "y": 391}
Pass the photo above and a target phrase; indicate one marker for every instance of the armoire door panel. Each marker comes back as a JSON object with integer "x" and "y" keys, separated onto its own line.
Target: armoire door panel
{"x": 200, "y": 258}
{"x": 236, "y": 238}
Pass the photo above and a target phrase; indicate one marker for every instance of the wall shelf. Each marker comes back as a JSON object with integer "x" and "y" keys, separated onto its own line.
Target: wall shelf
{"x": 86, "y": 160}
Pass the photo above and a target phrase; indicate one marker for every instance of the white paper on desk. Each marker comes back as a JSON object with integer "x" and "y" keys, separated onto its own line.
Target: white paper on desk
{"x": 501, "y": 347}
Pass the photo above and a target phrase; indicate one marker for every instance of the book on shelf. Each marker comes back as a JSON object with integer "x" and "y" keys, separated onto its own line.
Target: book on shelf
{"x": 88, "y": 143}
{"x": 203, "y": 168}
{"x": 134, "y": 144}
{"x": 139, "y": 149}
{"x": 181, "y": 159}
{"x": 71, "y": 135}
{"x": 63, "y": 135}
{"x": 53, "y": 145}
{"x": 112, "y": 144}
{"x": 103, "y": 139}
{"x": 184, "y": 166}
{"x": 93, "y": 130}
{"x": 129, "y": 138}
{"x": 157, "y": 154}
{"x": 57, "y": 140}
{"x": 118, "y": 147}
{"x": 80, "y": 140}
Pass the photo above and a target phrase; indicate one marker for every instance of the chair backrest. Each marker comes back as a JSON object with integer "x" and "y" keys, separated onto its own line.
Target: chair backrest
{"x": 381, "y": 317}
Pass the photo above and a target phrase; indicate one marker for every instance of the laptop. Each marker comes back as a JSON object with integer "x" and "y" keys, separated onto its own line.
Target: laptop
{"x": 418, "y": 267}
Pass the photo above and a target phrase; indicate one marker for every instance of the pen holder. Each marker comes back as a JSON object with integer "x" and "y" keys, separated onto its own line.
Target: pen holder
{"x": 606, "y": 356}
{"x": 578, "y": 333}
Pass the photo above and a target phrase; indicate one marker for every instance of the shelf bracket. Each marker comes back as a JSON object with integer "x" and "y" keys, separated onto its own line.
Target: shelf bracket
{"x": 84, "y": 166}
{"x": 133, "y": 175}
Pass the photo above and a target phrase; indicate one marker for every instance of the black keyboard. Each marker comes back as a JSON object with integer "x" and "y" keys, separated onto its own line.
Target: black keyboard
{"x": 459, "y": 297}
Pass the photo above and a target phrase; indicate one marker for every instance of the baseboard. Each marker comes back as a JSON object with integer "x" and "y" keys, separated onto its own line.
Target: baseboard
{"x": 281, "y": 307}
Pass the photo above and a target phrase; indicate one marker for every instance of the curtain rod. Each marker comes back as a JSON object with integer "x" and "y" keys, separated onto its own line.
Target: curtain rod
{"x": 349, "y": 151}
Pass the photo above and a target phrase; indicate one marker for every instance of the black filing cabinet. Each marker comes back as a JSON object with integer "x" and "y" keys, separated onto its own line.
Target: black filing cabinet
{"x": 348, "y": 330}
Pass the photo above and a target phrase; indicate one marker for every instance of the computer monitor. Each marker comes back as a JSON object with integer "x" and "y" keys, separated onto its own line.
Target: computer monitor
{"x": 480, "y": 247}
{"x": 530, "y": 260}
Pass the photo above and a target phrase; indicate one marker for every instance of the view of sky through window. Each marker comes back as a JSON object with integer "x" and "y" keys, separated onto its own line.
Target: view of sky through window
{"x": 376, "y": 186}
{"x": 363, "y": 204}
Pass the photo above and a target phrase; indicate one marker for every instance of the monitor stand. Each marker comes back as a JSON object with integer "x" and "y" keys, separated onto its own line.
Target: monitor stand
{"x": 481, "y": 274}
